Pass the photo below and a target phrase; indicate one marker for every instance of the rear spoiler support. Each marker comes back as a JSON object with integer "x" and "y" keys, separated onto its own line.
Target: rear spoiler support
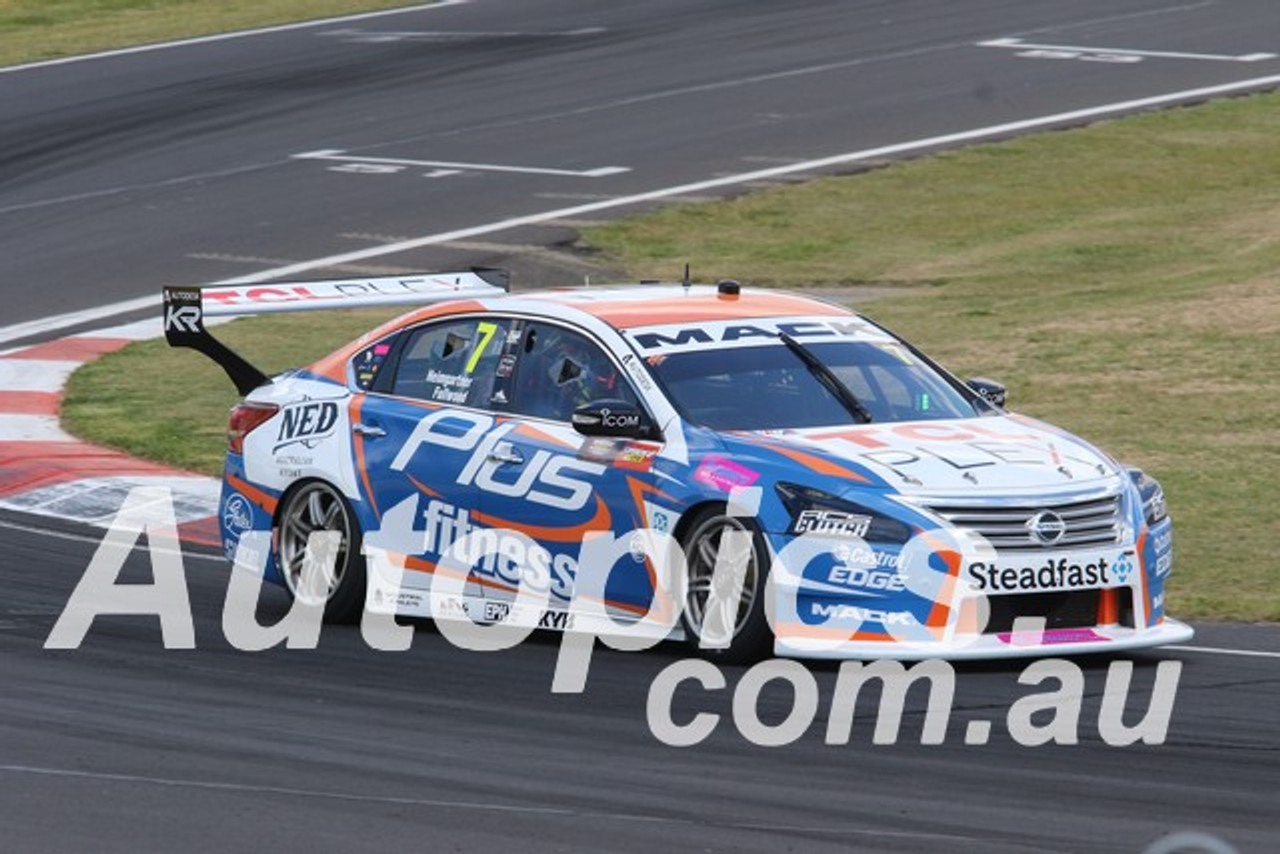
{"x": 185, "y": 308}
{"x": 184, "y": 327}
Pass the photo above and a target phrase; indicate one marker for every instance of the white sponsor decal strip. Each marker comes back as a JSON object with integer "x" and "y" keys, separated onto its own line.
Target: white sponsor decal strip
{"x": 58, "y": 322}
{"x": 679, "y": 337}
{"x": 345, "y": 293}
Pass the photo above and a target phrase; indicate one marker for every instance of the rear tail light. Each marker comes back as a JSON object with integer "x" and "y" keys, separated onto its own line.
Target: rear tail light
{"x": 245, "y": 418}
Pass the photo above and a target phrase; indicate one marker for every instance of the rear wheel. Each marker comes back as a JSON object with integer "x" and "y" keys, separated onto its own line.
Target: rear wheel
{"x": 711, "y": 535}
{"x": 317, "y": 506}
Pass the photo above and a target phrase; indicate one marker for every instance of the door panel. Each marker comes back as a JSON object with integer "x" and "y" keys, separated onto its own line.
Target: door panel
{"x": 546, "y": 480}
{"x": 420, "y": 443}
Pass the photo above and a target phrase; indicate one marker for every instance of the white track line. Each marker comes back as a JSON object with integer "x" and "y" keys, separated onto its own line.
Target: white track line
{"x": 221, "y": 37}
{"x": 1019, "y": 44}
{"x": 1215, "y": 650}
{"x": 65, "y": 321}
{"x": 484, "y": 806}
{"x": 58, "y": 322}
{"x": 342, "y": 157}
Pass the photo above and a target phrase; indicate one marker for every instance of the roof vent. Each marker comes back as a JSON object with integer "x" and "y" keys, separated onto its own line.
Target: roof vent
{"x": 728, "y": 288}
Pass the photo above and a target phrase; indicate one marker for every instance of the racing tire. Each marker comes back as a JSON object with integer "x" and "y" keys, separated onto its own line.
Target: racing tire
{"x": 752, "y": 636}
{"x": 311, "y": 506}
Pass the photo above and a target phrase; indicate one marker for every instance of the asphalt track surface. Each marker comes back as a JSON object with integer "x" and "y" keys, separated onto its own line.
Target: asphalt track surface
{"x": 120, "y": 174}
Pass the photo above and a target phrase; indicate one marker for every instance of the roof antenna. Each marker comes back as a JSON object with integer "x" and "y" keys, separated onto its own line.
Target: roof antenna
{"x": 686, "y": 276}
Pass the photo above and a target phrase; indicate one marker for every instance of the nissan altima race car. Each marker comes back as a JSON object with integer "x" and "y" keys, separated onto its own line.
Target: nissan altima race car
{"x": 875, "y": 505}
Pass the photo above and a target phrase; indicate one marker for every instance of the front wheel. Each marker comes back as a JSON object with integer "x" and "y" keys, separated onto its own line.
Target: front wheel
{"x": 317, "y": 506}
{"x": 709, "y": 621}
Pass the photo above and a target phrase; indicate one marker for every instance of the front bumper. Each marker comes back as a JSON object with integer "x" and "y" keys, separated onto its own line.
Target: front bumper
{"x": 1051, "y": 643}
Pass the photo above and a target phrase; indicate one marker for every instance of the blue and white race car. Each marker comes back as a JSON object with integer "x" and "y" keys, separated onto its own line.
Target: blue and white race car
{"x": 832, "y": 491}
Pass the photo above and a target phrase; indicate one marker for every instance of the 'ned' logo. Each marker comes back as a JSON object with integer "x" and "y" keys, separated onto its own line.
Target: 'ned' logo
{"x": 307, "y": 424}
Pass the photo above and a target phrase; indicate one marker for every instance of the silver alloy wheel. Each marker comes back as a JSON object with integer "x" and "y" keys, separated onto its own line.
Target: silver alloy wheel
{"x": 315, "y": 506}
{"x": 700, "y": 556}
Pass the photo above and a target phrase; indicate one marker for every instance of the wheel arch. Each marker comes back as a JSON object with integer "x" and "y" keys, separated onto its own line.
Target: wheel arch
{"x": 692, "y": 513}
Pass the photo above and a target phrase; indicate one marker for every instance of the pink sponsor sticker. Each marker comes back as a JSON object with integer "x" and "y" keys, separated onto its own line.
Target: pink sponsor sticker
{"x": 1052, "y": 636}
{"x": 724, "y": 474}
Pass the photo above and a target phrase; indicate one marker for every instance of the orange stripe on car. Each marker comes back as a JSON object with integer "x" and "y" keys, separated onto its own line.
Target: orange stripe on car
{"x": 418, "y": 564}
{"x": 1142, "y": 570}
{"x": 1108, "y": 607}
{"x": 703, "y": 308}
{"x": 357, "y": 441}
{"x": 251, "y": 492}
{"x": 556, "y": 534}
{"x": 941, "y": 610}
{"x": 816, "y": 463}
{"x": 422, "y": 487}
{"x": 531, "y": 432}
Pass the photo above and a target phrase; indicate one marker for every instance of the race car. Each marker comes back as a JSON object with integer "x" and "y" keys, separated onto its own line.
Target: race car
{"x": 866, "y": 502}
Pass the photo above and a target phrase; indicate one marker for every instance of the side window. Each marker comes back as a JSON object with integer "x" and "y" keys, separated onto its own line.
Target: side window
{"x": 560, "y": 370}
{"x": 888, "y": 391}
{"x": 368, "y": 363}
{"x": 453, "y": 362}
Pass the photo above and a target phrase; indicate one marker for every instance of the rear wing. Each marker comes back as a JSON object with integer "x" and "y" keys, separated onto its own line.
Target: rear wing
{"x": 185, "y": 308}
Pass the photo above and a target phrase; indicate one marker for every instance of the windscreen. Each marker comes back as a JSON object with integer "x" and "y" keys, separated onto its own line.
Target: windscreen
{"x": 770, "y": 387}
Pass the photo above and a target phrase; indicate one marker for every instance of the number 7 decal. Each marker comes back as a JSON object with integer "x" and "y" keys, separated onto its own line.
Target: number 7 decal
{"x": 486, "y": 335}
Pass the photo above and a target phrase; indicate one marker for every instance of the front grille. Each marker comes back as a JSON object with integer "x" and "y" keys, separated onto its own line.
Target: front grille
{"x": 1090, "y": 522}
{"x": 1072, "y": 609}
{"x": 1068, "y": 610}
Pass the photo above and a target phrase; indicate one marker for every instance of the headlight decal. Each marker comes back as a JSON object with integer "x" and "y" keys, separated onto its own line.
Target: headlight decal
{"x": 814, "y": 511}
{"x": 1151, "y": 494}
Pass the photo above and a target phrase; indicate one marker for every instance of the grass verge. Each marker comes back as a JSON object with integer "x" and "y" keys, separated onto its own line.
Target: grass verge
{"x": 1121, "y": 278}
{"x": 171, "y": 405}
{"x": 33, "y": 30}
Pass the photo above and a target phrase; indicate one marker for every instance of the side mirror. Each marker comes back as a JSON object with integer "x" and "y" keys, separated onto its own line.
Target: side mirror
{"x": 990, "y": 390}
{"x": 615, "y": 418}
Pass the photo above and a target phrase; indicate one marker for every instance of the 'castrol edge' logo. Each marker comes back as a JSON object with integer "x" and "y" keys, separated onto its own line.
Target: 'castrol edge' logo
{"x": 554, "y": 480}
